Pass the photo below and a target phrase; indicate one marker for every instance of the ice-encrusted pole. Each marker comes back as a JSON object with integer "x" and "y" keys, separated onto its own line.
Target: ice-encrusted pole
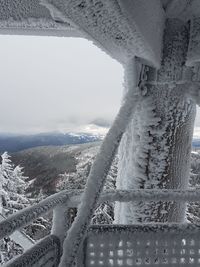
{"x": 100, "y": 170}
{"x": 155, "y": 151}
{"x": 61, "y": 222}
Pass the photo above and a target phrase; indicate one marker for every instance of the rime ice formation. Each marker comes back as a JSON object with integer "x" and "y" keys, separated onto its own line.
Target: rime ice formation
{"x": 182, "y": 9}
{"x": 70, "y": 199}
{"x": 29, "y": 17}
{"x": 140, "y": 12}
{"x": 194, "y": 45}
{"x": 20, "y": 238}
{"x": 27, "y": 215}
{"x": 155, "y": 151}
{"x": 45, "y": 253}
{"x": 109, "y": 25}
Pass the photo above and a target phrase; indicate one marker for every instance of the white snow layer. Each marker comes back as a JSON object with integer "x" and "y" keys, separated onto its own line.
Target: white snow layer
{"x": 29, "y": 17}
{"x": 110, "y": 25}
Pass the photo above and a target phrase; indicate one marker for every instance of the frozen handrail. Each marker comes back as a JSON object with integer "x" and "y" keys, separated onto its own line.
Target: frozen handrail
{"x": 27, "y": 215}
{"x": 72, "y": 199}
{"x": 20, "y": 237}
{"x": 44, "y": 253}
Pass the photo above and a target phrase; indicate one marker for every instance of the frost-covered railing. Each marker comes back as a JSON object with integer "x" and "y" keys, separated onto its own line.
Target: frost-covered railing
{"x": 46, "y": 253}
{"x": 61, "y": 202}
{"x": 20, "y": 237}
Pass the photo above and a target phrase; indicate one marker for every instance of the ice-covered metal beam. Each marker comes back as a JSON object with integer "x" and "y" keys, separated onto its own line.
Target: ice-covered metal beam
{"x": 124, "y": 29}
{"x": 193, "y": 57}
{"x": 181, "y": 9}
{"x": 28, "y": 17}
{"x": 72, "y": 199}
{"x": 176, "y": 8}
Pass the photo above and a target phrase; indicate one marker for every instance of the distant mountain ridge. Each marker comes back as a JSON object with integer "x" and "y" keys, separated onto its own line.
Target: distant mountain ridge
{"x": 14, "y": 143}
{"x": 196, "y": 142}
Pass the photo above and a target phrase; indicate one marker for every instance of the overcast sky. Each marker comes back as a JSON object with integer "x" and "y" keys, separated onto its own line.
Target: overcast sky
{"x": 56, "y": 84}
{"x": 50, "y": 84}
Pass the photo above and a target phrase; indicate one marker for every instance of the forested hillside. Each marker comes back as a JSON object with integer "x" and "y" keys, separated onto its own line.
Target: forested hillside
{"x": 43, "y": 165}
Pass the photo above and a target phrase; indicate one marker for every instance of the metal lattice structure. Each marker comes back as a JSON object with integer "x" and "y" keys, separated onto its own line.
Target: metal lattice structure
{"x": 142, "y": 245}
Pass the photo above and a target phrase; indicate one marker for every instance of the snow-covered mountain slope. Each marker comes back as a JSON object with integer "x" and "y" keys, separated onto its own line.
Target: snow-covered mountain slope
{"x": 45, "y": 164}
{"x": 59, "y": 168}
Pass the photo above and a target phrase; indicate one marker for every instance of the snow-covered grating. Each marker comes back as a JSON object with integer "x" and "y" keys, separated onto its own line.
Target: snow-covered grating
{"x": 142, "y": 245}
{"x": 45, "y": 253}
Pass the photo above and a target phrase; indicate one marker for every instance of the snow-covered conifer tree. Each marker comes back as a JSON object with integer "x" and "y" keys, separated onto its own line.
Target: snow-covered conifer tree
{"x": 13, "y": 186}
{"x": 1, "y": 208}
{"x": 1, "y": 189}
{"x": 12, "y": 198}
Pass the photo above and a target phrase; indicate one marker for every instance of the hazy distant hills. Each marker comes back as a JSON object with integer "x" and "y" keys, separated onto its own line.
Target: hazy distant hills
{"x": 14, "y": 143}
{"x": 45, "y": 156}
{"x": 196, "y": 143}
{"x": 46, "y": 163}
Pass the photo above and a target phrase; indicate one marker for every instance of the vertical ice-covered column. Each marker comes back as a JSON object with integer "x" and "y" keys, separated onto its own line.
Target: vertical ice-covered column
{"x": 155, "y": 150}
{"x": 61, "y": 222}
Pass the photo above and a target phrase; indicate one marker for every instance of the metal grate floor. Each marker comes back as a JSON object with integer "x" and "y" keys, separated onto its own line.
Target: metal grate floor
{"x": 160, "y": 245}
